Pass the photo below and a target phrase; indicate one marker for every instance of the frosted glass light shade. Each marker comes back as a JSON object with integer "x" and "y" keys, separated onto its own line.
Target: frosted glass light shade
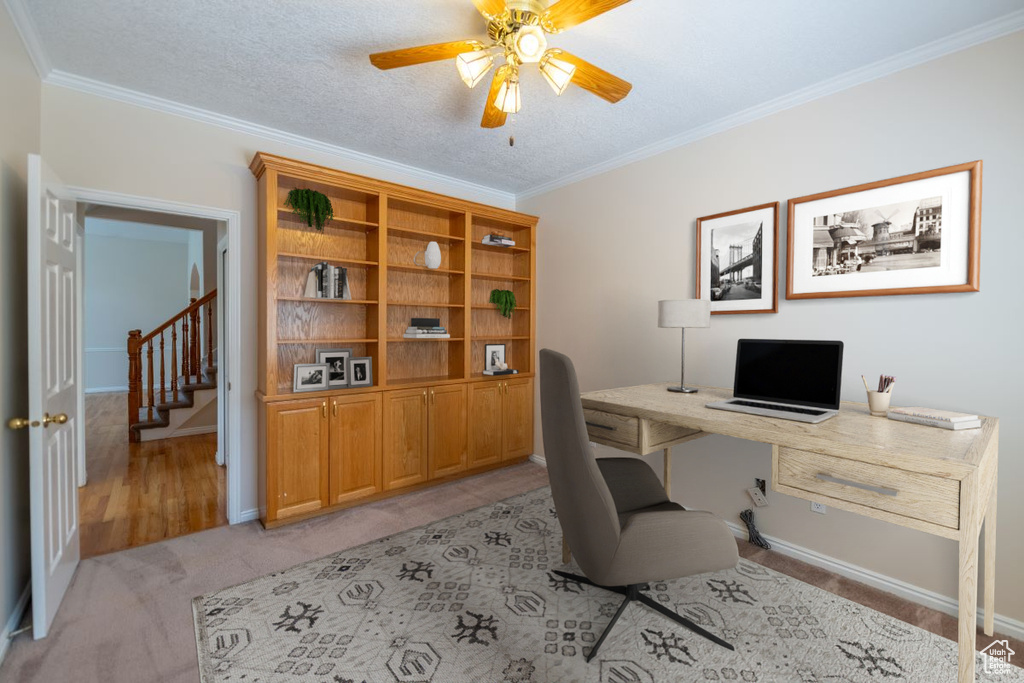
{"x": 557, "y": 72}
{"x": 530, "y": 44}
{"x": 473, "y": 66}
{"x": 508, "y": 99}
{"x": 684, "y": 313}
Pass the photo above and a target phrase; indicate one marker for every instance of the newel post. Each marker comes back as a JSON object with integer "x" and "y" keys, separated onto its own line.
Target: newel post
{"x": 134, "y": 383}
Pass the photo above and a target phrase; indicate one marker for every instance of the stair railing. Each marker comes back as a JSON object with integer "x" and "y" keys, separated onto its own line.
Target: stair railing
{"x": 145, "y": 393}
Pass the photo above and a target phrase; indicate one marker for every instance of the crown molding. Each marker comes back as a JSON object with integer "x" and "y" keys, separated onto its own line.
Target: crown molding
{"x": 29, "y": 36}
{"x": 439, "y": 182}
{"x": 982, "y": 33}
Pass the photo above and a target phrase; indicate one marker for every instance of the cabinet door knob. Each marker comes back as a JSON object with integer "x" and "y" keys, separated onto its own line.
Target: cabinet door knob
{"x": 334, "y": 408}
{"x": 323, "y": 406}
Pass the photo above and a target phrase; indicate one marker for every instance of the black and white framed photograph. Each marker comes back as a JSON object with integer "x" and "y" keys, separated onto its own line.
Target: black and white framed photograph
{"x": 494, "y": 357}
{"x": 914, "y": 234}
{"x": 737, "y": 260}
{"x": 310, "y": 377}
{"x": 360, "y": 372}
{"x": 336, "y": 361}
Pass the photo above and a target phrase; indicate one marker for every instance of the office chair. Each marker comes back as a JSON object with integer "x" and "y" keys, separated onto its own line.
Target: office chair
{"x": 620, "y": 525}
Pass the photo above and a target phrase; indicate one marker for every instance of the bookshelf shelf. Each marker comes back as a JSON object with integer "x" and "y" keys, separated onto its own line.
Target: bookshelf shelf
{"x": 284, "y": 214}
{"x": 423, "y": 234}
{"x": 330, "y": 259}
{"x": 424, "y": 304}
{"x": 501, "y": 338}
{"x": 424, "y": 270}
{"x": 500, "y": 250}
{"x": 490, "y": 307}
{"x": 310, "y": 300}
{"x": 314, "y": 341}
{"x": 500, "y": 277}
{"x": 402, "y": 340}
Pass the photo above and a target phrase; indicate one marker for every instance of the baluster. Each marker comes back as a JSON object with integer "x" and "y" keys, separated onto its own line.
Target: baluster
{"x": 134, "y": 372}
{"x": 209, "y": 335}
{"x": 186, "y": 352}
{"x": 197, "y": 343}
{"x": 174, "y": 362}
{"x": 138, "y": 364}
{"x": 163, "y": 384}
{"x": 149, "y": 379}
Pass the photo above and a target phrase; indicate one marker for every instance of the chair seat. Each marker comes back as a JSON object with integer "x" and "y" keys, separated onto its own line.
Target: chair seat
{"x": 633, "y": 484}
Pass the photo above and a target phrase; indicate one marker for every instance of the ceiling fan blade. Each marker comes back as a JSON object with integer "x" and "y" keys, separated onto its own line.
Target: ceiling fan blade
{"x": 423, "y": 54}
{"x": 597, "y": 81}
{"x": 565, "y": 14}
{"x": 490, "y": 8}
{"x": 494, "y": 117}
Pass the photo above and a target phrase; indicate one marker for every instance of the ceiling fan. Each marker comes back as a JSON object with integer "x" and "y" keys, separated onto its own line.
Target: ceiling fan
{"x": 517, "y": 29}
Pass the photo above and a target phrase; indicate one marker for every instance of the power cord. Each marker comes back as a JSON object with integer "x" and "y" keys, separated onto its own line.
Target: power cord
{"x": 755, "y": 536}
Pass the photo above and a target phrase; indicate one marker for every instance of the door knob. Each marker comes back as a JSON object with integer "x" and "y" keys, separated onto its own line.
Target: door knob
{"x": 59, "y": 418}
{"x": 21, "y": 423}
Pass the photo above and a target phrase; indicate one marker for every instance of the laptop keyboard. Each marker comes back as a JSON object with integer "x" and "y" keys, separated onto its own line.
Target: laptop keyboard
{"x": 772, "y": 406}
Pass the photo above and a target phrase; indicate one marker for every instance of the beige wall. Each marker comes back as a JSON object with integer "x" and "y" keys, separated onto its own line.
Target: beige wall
{"x": 611, "y": 246}
{"x": 19, "y": 136}
{"x": 102, "y": 144}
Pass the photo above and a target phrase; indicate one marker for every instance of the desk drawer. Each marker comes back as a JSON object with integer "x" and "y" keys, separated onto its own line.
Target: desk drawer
{"x": 909, "y": 494}
{"x": 605, "y": 427}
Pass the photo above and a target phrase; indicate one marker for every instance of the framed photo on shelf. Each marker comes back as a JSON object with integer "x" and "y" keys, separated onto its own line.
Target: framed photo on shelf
{"x": 916, "y": 234}
{"x": 336, "y": 361}
{"x": 310, "y": 377}
{"x": 360, "y": 372}
{"x": 494, "y": 357}
{"x": 737, "y": 260}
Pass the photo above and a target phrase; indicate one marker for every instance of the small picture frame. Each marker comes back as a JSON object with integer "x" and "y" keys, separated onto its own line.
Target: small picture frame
{"x": 310, "y": 377}
{"x": 737, "y": 262}
{"x": 336, "y": 361}
{"x": 360, "y": 372}
{"x": 494, "y": 357}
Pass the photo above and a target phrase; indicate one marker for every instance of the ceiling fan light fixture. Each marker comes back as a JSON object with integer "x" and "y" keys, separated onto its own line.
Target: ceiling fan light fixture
{"x": 530, "y": 44}
{"x": 557, "y": 72}
{"x": 508, "y": 98}
{"x": 473, "y": 66}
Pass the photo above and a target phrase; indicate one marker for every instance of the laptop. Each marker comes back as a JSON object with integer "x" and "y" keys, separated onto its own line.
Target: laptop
{"x": 793, "y": 380}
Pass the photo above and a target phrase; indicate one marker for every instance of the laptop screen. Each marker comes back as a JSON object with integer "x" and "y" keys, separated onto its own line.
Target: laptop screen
{"x": 807, "y": 373}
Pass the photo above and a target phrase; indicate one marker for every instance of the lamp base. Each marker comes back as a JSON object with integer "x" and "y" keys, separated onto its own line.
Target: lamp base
{"x": 683, "y": 390}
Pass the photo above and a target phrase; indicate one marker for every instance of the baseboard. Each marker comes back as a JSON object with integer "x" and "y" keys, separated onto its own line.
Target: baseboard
{"x": 248, "y": 515}
{"x": 191, "y": 431}
{"x": 539, "y": 459}
{"x": 105, "y": 390}
{"x": 1004, "y": 625}
{"x": 12, "y": 624}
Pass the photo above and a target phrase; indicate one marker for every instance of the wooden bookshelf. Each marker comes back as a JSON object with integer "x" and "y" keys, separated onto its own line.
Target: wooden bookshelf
{"x": 324, "y": 450}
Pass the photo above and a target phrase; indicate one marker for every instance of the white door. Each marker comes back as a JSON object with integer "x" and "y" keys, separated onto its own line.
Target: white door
{"x": 52, "y": 391}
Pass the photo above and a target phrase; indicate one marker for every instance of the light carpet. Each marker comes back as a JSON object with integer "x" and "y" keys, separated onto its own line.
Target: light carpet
{"x": 472, "y": 599}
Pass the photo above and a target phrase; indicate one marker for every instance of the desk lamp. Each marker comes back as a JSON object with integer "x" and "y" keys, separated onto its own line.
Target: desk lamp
{"x": 682, "y": 314}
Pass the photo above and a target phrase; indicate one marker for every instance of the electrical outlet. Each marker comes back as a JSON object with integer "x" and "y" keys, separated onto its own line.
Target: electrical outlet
{"x": 761, "y": 485}
{"x": 759, "y": 498}
{"x": 818, "y": 507}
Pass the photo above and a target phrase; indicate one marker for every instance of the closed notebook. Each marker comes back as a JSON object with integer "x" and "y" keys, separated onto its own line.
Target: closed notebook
{"x": 933, "y": 414}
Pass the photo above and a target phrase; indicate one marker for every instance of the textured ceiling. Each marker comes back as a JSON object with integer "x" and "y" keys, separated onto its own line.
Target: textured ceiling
{"x": 301, "y": 66}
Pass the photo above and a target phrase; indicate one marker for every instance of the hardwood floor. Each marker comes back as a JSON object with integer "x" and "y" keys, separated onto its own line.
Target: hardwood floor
{"x": 144, "y": 492}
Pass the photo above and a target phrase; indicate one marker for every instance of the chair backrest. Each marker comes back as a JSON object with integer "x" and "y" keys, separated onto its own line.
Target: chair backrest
{"x": 583, "y": 502}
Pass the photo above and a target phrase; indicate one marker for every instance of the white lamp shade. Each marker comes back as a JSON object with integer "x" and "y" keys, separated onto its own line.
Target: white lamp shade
{"x": 473, "y": 66}
{"x": 557, "y": 72}
{"x": 508, "y": 98}
{"x": 530, "y": 44}
{"x": 684, "y": 313}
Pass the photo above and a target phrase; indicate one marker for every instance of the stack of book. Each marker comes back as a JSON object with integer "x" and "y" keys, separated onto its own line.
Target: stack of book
{"x": 507, "y": 371}
{"x": 426, "y": 328}
{"x": 327, "y": 281}
{"x": 944, "y": 419}
{"x": 496, "y": 240}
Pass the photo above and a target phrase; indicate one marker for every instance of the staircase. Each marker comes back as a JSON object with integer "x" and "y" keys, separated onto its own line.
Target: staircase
{"x": 169, "y": 386}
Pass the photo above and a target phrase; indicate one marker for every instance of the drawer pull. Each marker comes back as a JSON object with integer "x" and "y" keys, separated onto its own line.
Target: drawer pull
{"x": 594, "y": 424}
{"x": 857, "y": 485}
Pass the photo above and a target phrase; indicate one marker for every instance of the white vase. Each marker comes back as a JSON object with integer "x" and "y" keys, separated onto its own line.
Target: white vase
{"x": 431, "y": 257}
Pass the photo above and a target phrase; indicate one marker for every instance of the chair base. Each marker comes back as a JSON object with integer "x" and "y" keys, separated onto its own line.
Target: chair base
{"x": 631, "y": 593}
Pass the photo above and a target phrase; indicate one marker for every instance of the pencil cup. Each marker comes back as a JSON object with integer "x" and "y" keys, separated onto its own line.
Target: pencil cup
{"x": 878, "y": 402}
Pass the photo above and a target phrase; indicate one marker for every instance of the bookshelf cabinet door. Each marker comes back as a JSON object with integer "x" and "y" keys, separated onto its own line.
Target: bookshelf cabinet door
{"x": 297, "y": 457}
{"x": 356, "y": 463}
{"x": 485, "y": 423}
{"x": 405, "y": 438}
{"x": 448, "y": 434}
{"x": 518, "y": 418}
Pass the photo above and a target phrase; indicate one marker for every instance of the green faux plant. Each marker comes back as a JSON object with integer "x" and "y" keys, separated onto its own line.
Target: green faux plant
{"x": 504, "y": 301}
{"x": 311, "y": 206}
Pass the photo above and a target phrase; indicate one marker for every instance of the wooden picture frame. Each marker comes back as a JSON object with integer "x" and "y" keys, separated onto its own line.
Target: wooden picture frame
{"x": 750, "y": 288}
{"x": 915, "y": 234}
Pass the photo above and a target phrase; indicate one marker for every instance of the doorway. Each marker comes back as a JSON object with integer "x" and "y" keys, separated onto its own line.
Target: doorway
{"x": 141, "y": 490}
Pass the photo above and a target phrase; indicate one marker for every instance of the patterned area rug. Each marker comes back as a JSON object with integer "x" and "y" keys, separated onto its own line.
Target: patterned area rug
{"x": 472, "y": 599}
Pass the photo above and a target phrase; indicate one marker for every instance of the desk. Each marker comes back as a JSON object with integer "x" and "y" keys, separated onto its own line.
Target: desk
{"x": 939, "y": 481}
